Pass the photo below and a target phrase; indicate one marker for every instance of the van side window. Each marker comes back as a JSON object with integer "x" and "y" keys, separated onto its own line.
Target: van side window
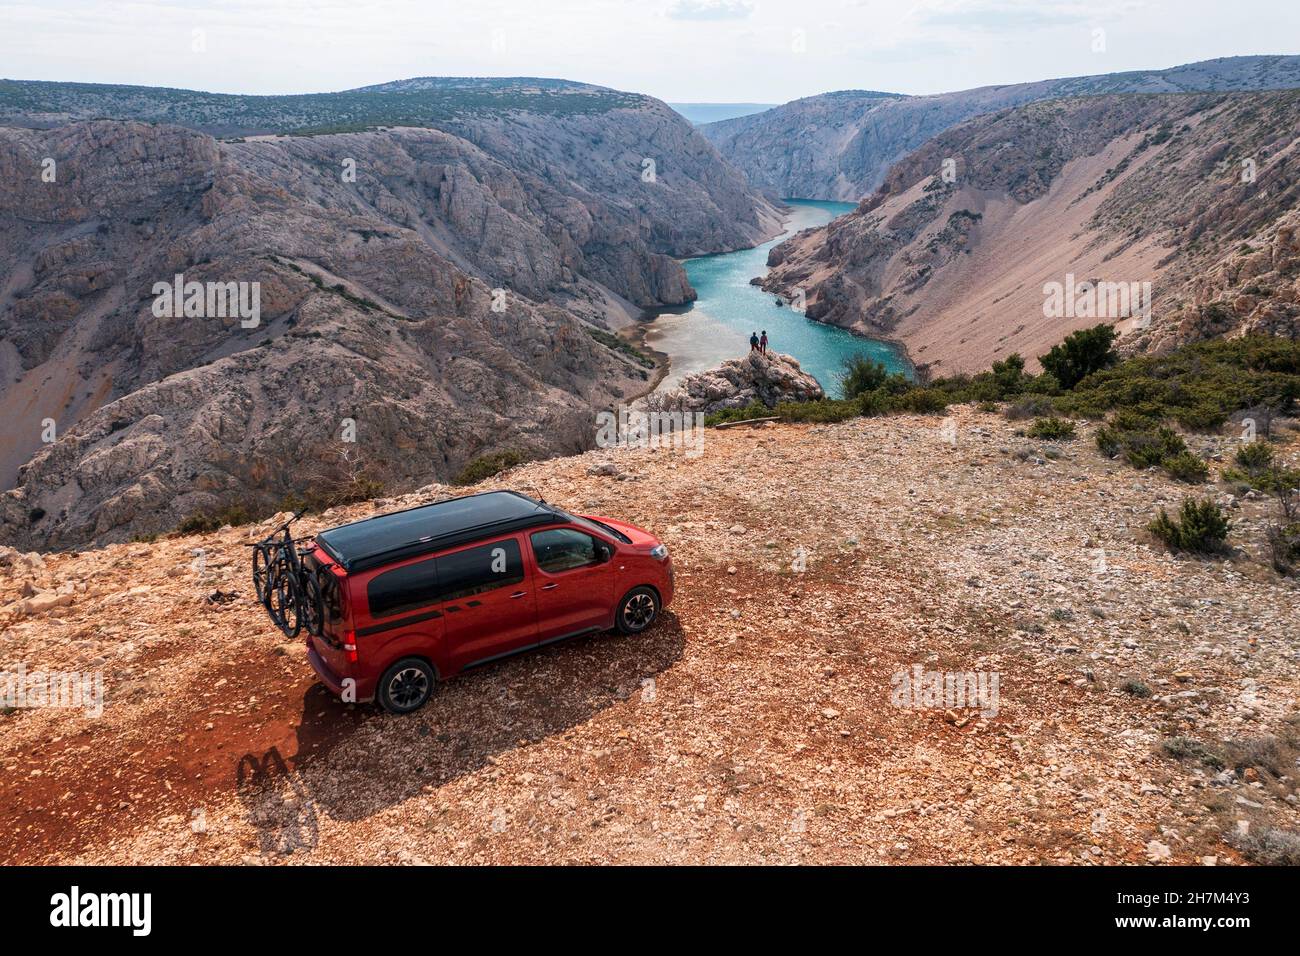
{"x": 403, "y": 589}
{"x": 563, "y": 549}
{"x": 480, "y": 569}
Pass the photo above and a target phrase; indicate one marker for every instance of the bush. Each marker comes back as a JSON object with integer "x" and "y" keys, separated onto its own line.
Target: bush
{"x": 1135, "y": 688}
{"x": 485, "y": 466}
{"x": 1187, "y": 467}
{"x": 1081, "y": 354}
{"x": 1181, "y": 748}
{"x": 755, "y": 409}
{"x": 823, "y": 410}
{"x": 922, "y": 401}
{"x": 1255, "y": 457}
{"x": 862, "y": 375}
{"x": 1198, "y": 385}
{"x": 1269, "y": 846}
{"x": 1145, "y": 449}
{"x": 1269, "y": 754}
{"x": 207, "y": 521}
{"x": 1051, "y": 429}
{"x": 1284, "y": 546}
{"x": 1200, "y": 528}
{"x": 1145, "y": 444}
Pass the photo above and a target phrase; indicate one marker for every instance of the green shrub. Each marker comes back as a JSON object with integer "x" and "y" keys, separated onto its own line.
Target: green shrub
{"x": 1187, "y": 467}
{"x": 755, "y": 409}
{"x": 1109, "y": 442}
{"x": 922, "y": 401}
{"x": 1255, "y": 457}
{"x": 862, "y": 375}
{"x": 206, "y": 521}
{"x": 1201, "y": 417}
{"x": 1284, "y": 546}
{"x": 1200, "y": 528}
{"x": 332, "y": 492}
{"x": 1181, "y": 748}
{"x": 1081, "y": 354}
{"x": 1197, "y": 386}
{"x": 822, "y": 410}
{"x": 1030, "y": 406}
{"x": 1144, "y": 447}
{"x": 1051, "y": 429}
{"x": 612, "y": 341}
{"x": 1135, "y": 688}
{"x": 485, "y": 466}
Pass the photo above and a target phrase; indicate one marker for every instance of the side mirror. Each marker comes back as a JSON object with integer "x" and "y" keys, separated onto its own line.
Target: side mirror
{"x": 603, "y": 552}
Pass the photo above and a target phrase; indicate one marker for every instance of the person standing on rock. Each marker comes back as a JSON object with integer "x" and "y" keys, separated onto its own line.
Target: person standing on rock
{"x": 753, "y": 341}
{"x": 762, "y": 343}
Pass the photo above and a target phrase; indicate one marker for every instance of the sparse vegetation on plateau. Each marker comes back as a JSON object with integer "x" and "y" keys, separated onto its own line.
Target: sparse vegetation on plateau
{"x": 1200, "y": 527}
{"x": 1051, "y": 429}
{"x": 485, "y": 466}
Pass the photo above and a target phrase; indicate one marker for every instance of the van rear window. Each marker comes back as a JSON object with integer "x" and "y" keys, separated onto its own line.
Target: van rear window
{"x": 452, "y": 576}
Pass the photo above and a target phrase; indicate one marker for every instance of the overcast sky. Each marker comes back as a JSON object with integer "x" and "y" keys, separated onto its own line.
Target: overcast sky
{"x": 765, "y": 51}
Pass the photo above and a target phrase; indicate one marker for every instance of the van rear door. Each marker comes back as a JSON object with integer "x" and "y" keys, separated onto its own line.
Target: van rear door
{"x": 336, "y": 644}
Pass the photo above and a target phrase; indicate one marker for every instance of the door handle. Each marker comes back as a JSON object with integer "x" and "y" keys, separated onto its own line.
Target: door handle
{"x": 547, "y": 587}
{"x": 518, "y": 594}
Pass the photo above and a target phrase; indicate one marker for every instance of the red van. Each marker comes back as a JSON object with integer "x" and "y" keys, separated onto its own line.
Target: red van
{"x": 417, "y": 596}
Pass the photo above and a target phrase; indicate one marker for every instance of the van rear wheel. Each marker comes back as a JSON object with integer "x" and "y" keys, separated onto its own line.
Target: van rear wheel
{"x": 406, "y": 686}
{"x": 637, "y": 611}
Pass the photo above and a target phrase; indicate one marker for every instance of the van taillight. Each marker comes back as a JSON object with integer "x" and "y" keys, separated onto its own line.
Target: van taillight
{"x": 350, "y": 645}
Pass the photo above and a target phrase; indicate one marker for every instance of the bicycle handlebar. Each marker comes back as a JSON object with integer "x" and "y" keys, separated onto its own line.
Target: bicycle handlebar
{"x": 280, "y": 530}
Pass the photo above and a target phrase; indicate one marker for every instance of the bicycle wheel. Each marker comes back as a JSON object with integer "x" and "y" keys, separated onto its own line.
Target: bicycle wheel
{"x": 261, "y": 571}
{"x": 282, "y": 596}
{"x": 311, "y": 607}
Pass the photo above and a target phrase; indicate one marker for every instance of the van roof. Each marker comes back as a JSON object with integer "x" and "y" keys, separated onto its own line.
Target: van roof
{"x": 371, "y": 542}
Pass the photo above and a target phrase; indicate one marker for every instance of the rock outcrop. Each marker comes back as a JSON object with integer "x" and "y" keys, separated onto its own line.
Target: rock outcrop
{"x": 738, "y": 383}
{"x": 840, "y": 145}
{"x": 437, "y": 294}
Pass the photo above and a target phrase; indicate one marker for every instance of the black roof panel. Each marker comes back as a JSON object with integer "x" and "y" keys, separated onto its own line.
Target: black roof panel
{"x": 403, "y": 534}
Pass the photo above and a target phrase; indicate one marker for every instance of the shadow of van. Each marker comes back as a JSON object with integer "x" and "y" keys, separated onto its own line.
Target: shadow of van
{"x": 352, "y": 763}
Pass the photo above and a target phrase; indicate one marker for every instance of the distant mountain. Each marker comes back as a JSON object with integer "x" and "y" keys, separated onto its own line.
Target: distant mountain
{"x": 452, "y": 290}
{"x": 840, "y": 145}
{"x": 421, "y": 101}
{"x": 712, "y": 112}
{"x": 1196, "y": 194}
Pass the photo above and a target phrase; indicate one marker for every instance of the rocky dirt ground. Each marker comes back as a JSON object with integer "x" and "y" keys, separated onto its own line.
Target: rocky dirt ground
{"x": 753, "y": 724}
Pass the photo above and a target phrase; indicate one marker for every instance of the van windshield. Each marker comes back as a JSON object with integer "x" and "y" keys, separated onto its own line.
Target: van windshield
{"x": 593, "y": 525}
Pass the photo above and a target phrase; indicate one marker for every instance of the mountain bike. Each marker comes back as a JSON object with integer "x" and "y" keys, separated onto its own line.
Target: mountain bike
{"x": 287, "y": 589}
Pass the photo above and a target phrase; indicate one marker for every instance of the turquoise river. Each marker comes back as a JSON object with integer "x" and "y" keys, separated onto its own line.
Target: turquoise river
{"x": 716, "y": 326}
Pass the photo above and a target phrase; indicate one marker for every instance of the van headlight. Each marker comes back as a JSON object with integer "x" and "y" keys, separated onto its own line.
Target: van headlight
{"x": 659, "y": 552}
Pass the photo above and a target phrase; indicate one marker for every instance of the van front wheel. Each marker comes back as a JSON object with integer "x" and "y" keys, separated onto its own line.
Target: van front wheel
{"x": 406, "y": 686}
{"x": 637, "y": 611}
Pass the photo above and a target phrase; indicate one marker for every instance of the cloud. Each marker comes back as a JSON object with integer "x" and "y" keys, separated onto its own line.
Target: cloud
{"x": 710, "y": 9}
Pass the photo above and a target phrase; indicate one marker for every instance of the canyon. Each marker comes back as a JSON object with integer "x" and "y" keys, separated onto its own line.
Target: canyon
{"x": 437, "y": 294}
{"x": 1193, "y": 194}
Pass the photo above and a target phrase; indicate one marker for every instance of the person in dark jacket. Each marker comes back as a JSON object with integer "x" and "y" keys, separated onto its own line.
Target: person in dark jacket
{"x": 753, "y": 341}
